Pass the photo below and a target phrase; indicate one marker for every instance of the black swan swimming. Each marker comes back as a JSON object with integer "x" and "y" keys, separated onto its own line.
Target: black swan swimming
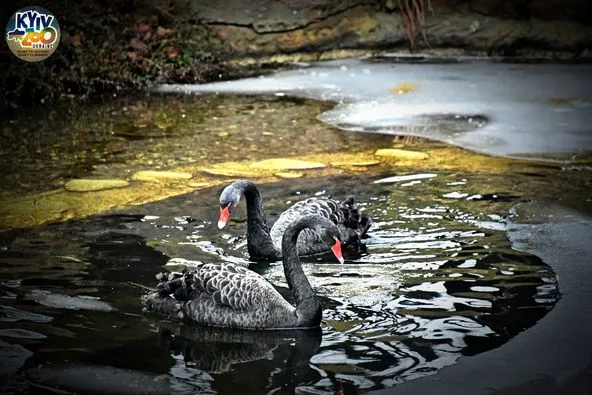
{"x": 228, "y": 295}
{"x": 264, "y": 244}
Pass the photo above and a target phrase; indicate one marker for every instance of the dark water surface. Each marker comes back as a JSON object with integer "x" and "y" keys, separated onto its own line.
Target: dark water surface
{"x": 436, "y": 281}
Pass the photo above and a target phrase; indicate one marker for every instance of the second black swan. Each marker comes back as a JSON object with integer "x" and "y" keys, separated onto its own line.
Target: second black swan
{"x": 265, "y": 244}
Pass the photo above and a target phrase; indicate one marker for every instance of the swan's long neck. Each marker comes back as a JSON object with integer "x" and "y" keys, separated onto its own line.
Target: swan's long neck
{"x": 308, "y": 306}
{"x": 259, "y": 243}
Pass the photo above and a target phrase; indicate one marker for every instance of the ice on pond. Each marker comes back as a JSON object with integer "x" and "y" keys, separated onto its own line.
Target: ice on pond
{"x": 408, "y": 177}
{"x": 519, "y": 110}
{"x": 455, "y": 195}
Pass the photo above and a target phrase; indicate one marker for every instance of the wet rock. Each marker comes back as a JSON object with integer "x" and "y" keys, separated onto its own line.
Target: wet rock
{"x": 21, "y": 334}
{"x": 13, "y": 356}
{"x": 230, "y": 171}
{"x": 362, "y": 163}
{"x": 11, "y": 314}
{"x": 88, "y": 185}
{"x": 288, "y": 174}
{"x": 401, "y": 154}
{"x": 271, "y": 16}
{"x": 60, "y": 301}
{"x": 570, "y": 10}
{"x": 199, "y": 184}
{"x": 539, "y": 28}
{"x": 286, "y": 164}
{"x": 158, "y": 176}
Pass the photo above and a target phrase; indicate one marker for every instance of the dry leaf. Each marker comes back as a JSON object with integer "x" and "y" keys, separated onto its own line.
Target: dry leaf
{"x": 137, "y": 44}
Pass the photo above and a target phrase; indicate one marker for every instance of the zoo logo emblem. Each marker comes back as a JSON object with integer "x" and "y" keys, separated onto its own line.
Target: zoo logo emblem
{"x": 33, "y": 34}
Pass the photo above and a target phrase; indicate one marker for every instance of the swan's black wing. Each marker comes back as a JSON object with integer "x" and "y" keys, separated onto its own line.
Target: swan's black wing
{"x": 352, "y": 223}
{"x": 226, "y": 284}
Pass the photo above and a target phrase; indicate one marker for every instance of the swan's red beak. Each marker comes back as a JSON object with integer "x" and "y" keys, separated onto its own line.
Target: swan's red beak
{"x": 337, "y": 251}
{"x": 224, "y": 214}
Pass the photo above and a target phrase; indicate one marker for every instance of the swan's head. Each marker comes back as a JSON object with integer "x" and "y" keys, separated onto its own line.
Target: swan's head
{"x": 332, "y": 237}
{"x": 229, "y": 198}
{"x": 336, "y": 248}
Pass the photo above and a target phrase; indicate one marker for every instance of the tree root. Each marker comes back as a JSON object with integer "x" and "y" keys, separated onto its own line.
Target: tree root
{"x": 413, "y": 17}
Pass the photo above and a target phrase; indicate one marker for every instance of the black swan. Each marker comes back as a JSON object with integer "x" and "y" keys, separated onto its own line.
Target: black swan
{"x": 264, "y": 244}
{"x": 228, "y": 295}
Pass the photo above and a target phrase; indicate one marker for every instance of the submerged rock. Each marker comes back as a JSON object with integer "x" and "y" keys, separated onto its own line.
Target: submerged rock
{"x": 230, "y": 171}
{"x": 286, "y": 164}
{"x": 288, "y": 174}
{"x": 401, "y": 154}
{"x": 88, "y": 185}
{"x": 360, "y": 163}
{"x": 157, "y": 176}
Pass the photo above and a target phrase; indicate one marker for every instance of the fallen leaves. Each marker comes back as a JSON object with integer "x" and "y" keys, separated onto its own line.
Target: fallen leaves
{"x": 161, "y": 31}
{"x": 143, "y": 28}
{"x": 138, "y": 44}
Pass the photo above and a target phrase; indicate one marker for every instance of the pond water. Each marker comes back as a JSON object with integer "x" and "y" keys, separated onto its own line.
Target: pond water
{"x": 42, "y": 150}
{"x": 436, "y": 280}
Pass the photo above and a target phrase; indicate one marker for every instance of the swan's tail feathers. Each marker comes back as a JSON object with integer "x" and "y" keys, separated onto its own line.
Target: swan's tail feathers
{"x": 172, "y": 291}
{"x": 163, "y": 305}
{"x": 181, "y": 286}
{"x": 354, "y": 219}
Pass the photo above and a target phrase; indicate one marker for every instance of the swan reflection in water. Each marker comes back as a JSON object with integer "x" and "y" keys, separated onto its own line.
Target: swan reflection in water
{"x": 282, "y": 356}
{"x": 279, "y": 361}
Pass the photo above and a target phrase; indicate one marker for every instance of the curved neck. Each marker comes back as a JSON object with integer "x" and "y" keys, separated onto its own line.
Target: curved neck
{"x": 259, "y": 243}
{"x": 308, "y": 306}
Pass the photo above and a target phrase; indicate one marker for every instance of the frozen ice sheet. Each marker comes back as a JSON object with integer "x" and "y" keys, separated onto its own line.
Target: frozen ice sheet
{"x": 507, "y": 109}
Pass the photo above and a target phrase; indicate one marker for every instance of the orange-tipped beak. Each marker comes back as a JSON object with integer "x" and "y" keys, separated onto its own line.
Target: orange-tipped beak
{"x": 224, "y": 214}
{"x": 337, "y": 251}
